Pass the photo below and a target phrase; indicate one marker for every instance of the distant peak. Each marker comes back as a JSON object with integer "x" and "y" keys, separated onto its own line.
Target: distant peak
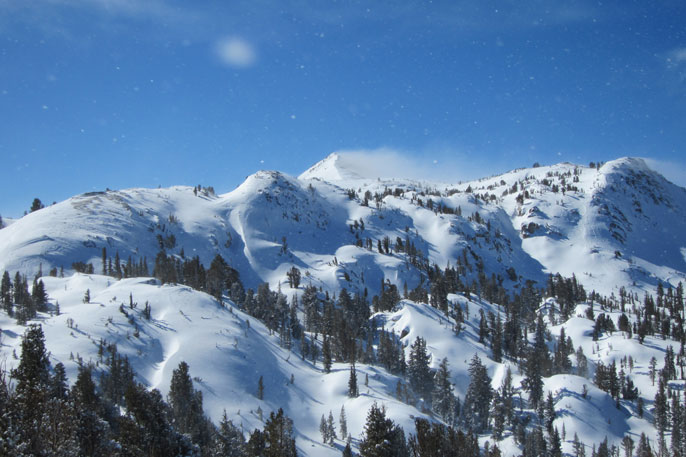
{"x": 335, "y": 167}
{"x": 634, "y": 163}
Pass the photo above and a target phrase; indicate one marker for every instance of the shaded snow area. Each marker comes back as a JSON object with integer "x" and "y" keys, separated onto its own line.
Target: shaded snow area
{"x": 619, "y": 229}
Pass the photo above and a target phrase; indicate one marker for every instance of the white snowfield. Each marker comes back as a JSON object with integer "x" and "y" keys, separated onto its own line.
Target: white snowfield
{"x": 620, "y": 225}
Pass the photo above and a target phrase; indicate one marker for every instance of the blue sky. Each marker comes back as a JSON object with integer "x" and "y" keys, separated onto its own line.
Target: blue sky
{"x": 125, "y": 93}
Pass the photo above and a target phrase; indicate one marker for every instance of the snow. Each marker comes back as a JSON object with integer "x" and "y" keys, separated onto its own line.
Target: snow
{"x": 624, "y": 225}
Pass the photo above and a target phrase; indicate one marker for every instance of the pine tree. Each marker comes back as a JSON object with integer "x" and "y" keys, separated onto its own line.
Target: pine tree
{"x": 643, "y": 449}
{"x": 661, "y": 411}
{"x": 353, "y": 390}
{"x": 343, "y": 423}
{"x": 38, "y": 295}
{"x": 380, "y": 435}
{"x": 6, "y": 293}
{"x": 326, "y": 354}
{"x": 443, "y": 398}
{"x": 32, "y": 376}
{"x": 555, "y": 444}
{"x": 475, "y": 409}
{"x": 260, "y": 389}
{"x": 498, "y": 416}
{"x": 324, "y": 430}
{"x": 229, "y": 440}
{"x": 36, "y": 205}
{"x": 537, "y": 365}
{"x": 506, "y": 393}
{"x": 92, "y": 431}
{"x": 186, "y": 407}
{"x": 278, "y": 436}
{"x": 578, "y": 446}
{"x": 549, "y": 413}
{"x": 418, "y": 371}
{"x": 60, "y": 429}
{"x": 331, "y": 429}
{"x": 58, "y": 382}
{"x": 628, "y": 445}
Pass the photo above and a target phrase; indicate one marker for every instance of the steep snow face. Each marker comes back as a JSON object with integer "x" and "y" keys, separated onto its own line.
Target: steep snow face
{"x": 621, "y": 225}
{"x": 644, "y": 214}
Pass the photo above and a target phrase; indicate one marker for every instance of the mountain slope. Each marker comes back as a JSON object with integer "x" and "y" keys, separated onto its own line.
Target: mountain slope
{"x": 619, "y": 225}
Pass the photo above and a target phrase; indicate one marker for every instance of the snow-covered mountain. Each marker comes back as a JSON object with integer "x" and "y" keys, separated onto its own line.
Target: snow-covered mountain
{"x": 617, "y": 225}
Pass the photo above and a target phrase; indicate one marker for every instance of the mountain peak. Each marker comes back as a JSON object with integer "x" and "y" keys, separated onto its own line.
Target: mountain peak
{"x": 335, "y": 167}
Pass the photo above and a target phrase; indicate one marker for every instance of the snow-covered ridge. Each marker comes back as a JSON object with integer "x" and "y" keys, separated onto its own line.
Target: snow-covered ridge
{"x": 621, "y": 225}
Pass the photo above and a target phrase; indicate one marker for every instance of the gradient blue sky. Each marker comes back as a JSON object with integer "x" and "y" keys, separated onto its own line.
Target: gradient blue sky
{"x": 129, "y": 93}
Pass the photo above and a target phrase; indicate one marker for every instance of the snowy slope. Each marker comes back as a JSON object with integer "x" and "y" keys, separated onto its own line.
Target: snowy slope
{"x": 226, "y": 350}
{"x": 619, "y": 225}
{"x": 622, "y": 225}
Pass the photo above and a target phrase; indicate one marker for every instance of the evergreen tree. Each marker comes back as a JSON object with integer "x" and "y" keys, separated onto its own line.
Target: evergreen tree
{"x": 381, "y": 436}
{"x": 578, "y": 446}
{"x": 326, "y": 353}
{"x": 475, "y": 410}
{"x": 92, "y": 430}
{"x": 498, "y": 416}
{"x": 418, "y": 371}
{"x": 353, "y": 390}
{"x": 643, "y": 449}
{"x": 185, "y": 403}
{"x": 537, "y": 365}
{"x": 145, "y": 430}
{"x": 38, "y": 295}
{"x": 324, "y": 430}
{"x": 260, "y": 389}
{"x": 36, "y": 205}
{"x": 32, "y": 376}
{"x": 60, "y": 429}
{"x": 278, "y": 436}
{"x": 229, "y": 441}
{"x": 256, "y": 445}
{"x": 6, "y": 293}
{"x": 661, "y": 411}
{"x": 549, "y": 413}
{"x": 506, "y": 394}
{"x": 58, "y": 383}
{"x": 343, "y": 423}
{"x": 676, "y": 426}
{"x": 331, "y": 429}
{"x": 628, "y": 445}
{"x": 443, "y": 398}
{"x": 556, "y": 444}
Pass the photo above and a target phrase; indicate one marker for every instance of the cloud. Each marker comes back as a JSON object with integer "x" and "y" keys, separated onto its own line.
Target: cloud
{"x": 676, "y": 56}
{"x": 443, "y": 165}
{"x": 236, "y": 52}
{"x": 59, "y": 18}
{"x": 673, "y": 171}
{"x": 154, "y": 9}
